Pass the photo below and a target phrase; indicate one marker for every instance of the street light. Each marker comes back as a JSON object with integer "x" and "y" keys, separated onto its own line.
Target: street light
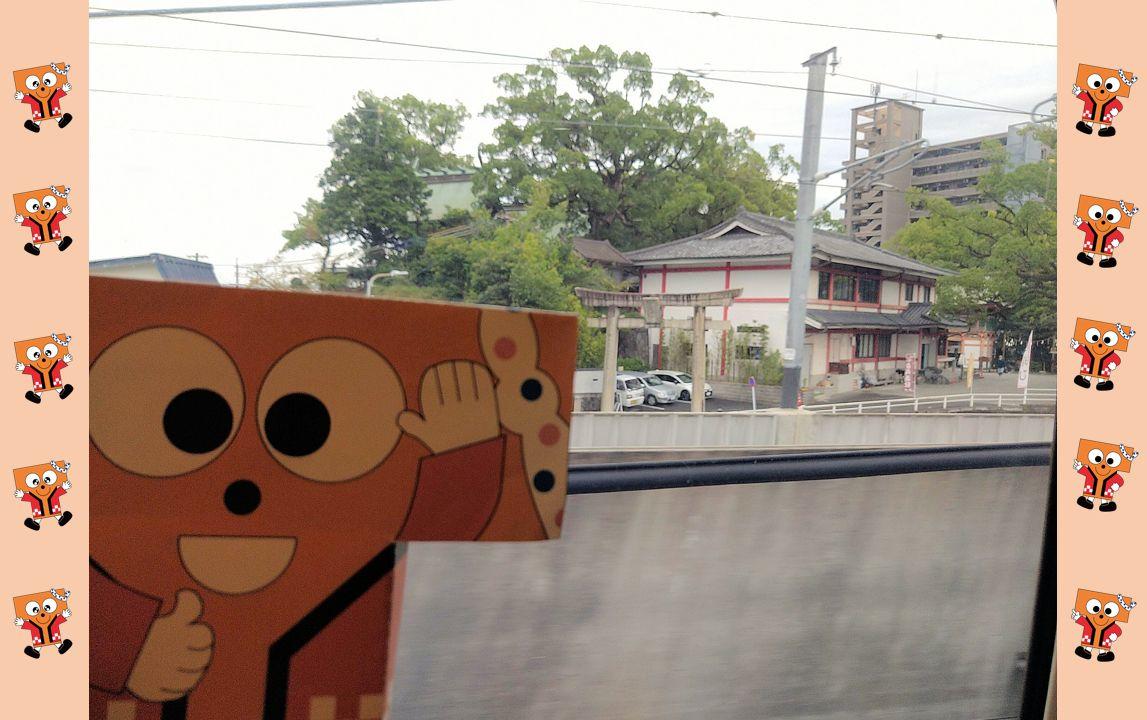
{"x": 389, "y": 274}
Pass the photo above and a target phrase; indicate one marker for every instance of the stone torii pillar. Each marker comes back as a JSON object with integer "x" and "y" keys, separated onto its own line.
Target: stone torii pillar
{"x": 650, "y": 307}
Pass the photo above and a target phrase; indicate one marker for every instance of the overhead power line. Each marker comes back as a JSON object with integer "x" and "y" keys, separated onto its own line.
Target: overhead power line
{"x": 533, "y": 59}
{"x": 809, "y": 23}
{"x": 101, "y": 13}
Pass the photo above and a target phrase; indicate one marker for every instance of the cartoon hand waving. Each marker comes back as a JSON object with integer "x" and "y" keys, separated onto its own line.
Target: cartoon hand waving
{"x": 458, "y": 407}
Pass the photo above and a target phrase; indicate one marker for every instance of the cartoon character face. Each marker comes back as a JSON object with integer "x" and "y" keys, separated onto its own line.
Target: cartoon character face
{"x": 1103, "y": 214}
{"x": 41, "y": 608}
{"x": 1102, "y": 83}
{"x": 1105, "y": 459}
{"x": 1101, "y": 337}
{"x": 42, "y": 352}
{"x": 41, "y": 204}
{"x": 41, "y": 480}
{"x": 40, "y": 81}
{"x": 254, "y": 436}
{"x": 1102, "y": 608}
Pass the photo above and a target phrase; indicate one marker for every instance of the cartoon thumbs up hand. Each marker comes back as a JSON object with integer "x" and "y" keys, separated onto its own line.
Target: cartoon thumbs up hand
{"x": 175, "y": 653}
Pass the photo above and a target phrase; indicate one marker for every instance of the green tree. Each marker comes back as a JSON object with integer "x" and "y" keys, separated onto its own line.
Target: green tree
{"x": 1003, "y": 258}
{"x": 633, "y": 168}
{"x": 373, "y": 193}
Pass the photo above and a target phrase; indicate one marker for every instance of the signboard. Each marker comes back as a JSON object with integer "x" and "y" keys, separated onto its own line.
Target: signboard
{"x": 910, "y": 372}
{"x": 1025, "y": 364}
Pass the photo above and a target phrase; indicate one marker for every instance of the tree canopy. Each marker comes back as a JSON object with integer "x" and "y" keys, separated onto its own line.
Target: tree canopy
{"x": 632, "y": 168}
{"x": 1004, "y": 258}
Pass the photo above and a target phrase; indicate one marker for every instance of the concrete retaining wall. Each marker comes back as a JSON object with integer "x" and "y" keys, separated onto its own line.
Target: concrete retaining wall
{"x": 767, "y": 395}
{"x": 597, "y": 431}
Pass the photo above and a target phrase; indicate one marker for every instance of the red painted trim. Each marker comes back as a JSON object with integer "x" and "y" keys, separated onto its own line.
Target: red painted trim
{"x": 661, "y": 326}
{"x": 720, "y": 268}
{"x": 664, "y": 278}
{"x": 725, "y": 316}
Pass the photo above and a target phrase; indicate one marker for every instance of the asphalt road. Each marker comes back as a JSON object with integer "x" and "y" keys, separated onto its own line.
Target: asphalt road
{"x": 900, "y": 598}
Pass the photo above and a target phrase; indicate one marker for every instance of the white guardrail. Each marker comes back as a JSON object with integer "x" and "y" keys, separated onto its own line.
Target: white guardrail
{"x": 1044, "y": 396}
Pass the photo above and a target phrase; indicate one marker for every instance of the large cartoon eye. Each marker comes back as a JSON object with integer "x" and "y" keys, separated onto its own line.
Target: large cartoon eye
{"x": 32, "y": 82}
{"x": 1095, "y": 456}
{"x": 49, "y": 477}
{"x": 32, "y": 608}
{"x": 1110, "y": 338}
{"x": 32, "y": 480}
{"x": 1092, "y": 335}
{"x": 1112, "y": 84}
{"x": 1113, "y": 459}
{"x": 49, "y": 79}
{"x": 1094, "y": 81}
{"x": 49, "y": 202}
{"x": 32, "y": 353}
{"x": 49, "y": 605}
{"x": 164, "y": 401}
{"x": 1093, "y": 606}
{"x": 328, "y": 410}
{"x": 1114, "y": 216}
{"x": 50, "y": 350}
{"x": 1095, "y": 212}
{"x": 32, "y": 206}
{"x": 1110, "y": 609}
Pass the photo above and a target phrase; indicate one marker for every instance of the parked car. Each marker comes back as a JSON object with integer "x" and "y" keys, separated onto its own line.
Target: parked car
{"x": 657, "y": 391}
{"x": 685, "y": 380}
{"x": 630, "y": 392}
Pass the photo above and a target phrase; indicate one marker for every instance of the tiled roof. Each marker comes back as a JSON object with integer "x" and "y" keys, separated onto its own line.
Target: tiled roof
{"x": 917, "y": 316}
{"x": 599, "y": 251}
{"x": 170, "y": 268}
{"x": 752, "y": 235}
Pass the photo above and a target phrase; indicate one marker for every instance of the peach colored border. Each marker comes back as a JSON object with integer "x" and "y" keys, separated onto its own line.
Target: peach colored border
{"x": 1101, "y": 552}
{"x": 42, "y": 295}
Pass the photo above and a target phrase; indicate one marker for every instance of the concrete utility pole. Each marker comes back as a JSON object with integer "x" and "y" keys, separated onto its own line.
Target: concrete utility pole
{"x": 793, "y": 355}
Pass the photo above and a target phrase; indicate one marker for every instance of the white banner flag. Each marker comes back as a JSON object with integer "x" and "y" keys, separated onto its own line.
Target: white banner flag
{"x": 1026, "y": 363}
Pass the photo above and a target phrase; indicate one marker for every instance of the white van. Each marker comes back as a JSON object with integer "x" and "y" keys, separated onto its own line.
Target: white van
{"x": 630, "y": 392}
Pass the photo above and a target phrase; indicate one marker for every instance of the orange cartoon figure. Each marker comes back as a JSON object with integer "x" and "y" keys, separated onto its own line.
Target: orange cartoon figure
{"x": 1102, "y": 221}
{"x": 1102, "y": 466}
{"x": 42, "y": 486}
{"x": 42, "y": 87}
{"x": 1096, "y": 342}
{"x": 285, "y": 448}
{"x": 42, "y": 614}
{"x": 44, "y": 359}
{"x": 1097, "y": 613}
{"x": 1100, "y": 89}
{"x": 46, "y": 209}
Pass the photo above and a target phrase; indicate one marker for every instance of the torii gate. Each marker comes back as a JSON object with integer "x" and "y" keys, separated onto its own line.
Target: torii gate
{"x": 651, "y": 305}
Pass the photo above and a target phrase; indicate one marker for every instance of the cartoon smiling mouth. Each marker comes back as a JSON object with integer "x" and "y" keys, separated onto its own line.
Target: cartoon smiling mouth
{"x": 236, "y": 564}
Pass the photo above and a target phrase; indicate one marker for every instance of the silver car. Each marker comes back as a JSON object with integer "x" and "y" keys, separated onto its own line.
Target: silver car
{"x": 684, "y": 380}
{"x": 657, "y": 391}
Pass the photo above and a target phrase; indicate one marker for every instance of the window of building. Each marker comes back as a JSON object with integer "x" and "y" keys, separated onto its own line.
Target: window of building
{"x": 869, "y": 290}
{"x": 909, "y": 292}
{"x": 884, "y": 346}
{"x": 824, "y": 280}
{"x": 927, "y": 293}
{"x": 844, "y": 287}
{"x": 865, "y": 346}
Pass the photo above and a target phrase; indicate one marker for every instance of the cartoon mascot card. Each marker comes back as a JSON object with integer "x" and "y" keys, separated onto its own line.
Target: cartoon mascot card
{"x": 1102, "y": 222}
{"x": 1097, "y": 613}
{"x": 1100, "y": 89}
{"x": 43, "y": 487}
{"x": 42, "y": 614}
{"x": 1099, "y": 343}
{"x": 43, "y": 211}
{"x": 42, "y": 88}
{"x": 1103, "y": 466}
{"x": 271, "y": 453}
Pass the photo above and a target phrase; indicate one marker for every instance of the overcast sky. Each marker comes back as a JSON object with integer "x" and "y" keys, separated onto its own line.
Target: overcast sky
{"x": 229, "y": 200}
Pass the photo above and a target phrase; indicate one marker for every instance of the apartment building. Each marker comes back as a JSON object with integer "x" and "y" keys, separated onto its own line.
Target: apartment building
{"x": 950, "y": 170}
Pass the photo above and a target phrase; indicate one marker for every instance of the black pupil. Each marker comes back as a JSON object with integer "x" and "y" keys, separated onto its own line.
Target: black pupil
{"x": 197, "y": 421}
{"x": 544, "y": 481}
{"x": 297, "y": 424}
